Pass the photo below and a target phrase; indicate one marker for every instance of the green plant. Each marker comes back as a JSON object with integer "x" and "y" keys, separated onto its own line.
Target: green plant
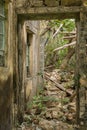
{"x": 39, "y": 102}
{"x": 65, "y": 100}
{"x": 52, "y": 58}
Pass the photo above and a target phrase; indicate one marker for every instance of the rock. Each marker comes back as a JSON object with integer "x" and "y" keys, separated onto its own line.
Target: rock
{"x": 71, "y": 2}
{"x": 48, "y": 115}
{"x": 33, "y": 111}
{"x": 51, "y": 104}
{"x": 53, "y": 88}
{"x": 53, "y": 78}
{"x": 53, "y": 92}
{"x": 35, "y": 121}
{"x": 69, "y": 84}
{"x": 72, "y": 107}
{"x": 69, "y": 116}
{"x": 55, "y": 114}
{"x": 51, "y": 2}
{"x": 46, "y": 125}
{"x": 63, "y": 126}
{"x": 58, "y": 78}
{"x": 27, "y": 118}
{"x": 37, "y": 128}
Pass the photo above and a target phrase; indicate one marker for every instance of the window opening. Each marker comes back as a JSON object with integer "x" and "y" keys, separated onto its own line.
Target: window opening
{"x": 2, "y": 33}
{"x": 28, "y": 55}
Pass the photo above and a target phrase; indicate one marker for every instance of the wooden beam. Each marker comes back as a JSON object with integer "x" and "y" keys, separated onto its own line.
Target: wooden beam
{"x": 64, "y": 46}
{"x": 71, "y": 33}
{"x": 58, "y": 30}
{"x": 59, "y": 86}
{"x": 69, "y": 37}
{"x": 48, "y": 12}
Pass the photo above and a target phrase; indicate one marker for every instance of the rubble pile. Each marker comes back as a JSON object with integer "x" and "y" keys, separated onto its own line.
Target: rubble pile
{"x": 55, "y": 108}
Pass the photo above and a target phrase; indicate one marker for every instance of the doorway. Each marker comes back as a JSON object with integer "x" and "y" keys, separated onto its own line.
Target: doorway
{"x": 48, "y": 16}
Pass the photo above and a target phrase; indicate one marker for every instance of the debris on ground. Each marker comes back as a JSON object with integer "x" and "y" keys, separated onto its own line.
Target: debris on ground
{"x": 55, "y": 107}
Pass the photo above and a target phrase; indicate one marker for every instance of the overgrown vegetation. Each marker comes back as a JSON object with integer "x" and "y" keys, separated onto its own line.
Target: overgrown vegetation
{"x": 57, "y": 35}
{"x": 39, "y": 101}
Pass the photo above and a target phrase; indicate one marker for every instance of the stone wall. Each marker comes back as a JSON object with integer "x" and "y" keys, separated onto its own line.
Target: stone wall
{"x": 25, "y": 86}
{"x": 41, "y": 53}
{"x": 32, "y": 82}
{"x": 49, "y": 3}
{"x": 83, "y": 68}
{"x": 6, "y": 75}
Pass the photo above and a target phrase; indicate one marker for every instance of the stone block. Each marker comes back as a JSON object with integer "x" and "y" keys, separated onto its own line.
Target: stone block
{"x": 71, "y": 2}
{"x": 37, "y": 3}
{"x": 51, "y": 2}
{"x": 20, "y": 3}
{"x": 30, "y": 3}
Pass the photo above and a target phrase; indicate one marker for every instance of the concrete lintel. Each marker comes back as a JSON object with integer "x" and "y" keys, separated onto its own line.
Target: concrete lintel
{"x": 48, "y": 12}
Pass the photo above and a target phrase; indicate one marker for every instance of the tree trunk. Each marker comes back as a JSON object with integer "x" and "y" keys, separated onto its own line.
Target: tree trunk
{"x": 66, "y": 60}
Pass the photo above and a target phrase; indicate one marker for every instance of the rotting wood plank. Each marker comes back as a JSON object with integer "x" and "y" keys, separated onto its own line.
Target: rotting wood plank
{"x": 58, "y": 30}
{"x": 59, "y": 86}
{"x": 65, "y": 46}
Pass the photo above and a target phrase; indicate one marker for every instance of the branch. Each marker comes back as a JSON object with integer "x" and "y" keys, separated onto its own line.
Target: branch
{"x": 45, "y": 31}
{"x": 57, "y": 30}
{"x": 58, "y": 85}
{"x": 70, "y": 37}
{"x": 65, "y": 46}
{"x": 68, "y": 32}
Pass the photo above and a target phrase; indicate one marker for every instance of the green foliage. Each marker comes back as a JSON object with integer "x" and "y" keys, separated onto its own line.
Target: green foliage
{"x": 40, "y": 101}
{"x": 36, "y": 103}
{"x": 65, "y": 100}
{"x": 68, "y": 24}
{"x": 53, "y": 43}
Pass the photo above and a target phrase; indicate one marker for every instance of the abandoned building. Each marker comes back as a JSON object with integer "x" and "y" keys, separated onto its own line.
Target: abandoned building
{"x": 20, "y": 53}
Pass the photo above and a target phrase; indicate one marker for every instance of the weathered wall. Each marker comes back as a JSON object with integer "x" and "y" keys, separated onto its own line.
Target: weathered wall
{"x": 25, "y": 87}
{"x": 41, "y": 55}
{"x": 6, "y": 76}
{"x": 82, "y": 69}
{"x": 31, "y": 82}
{"x": 49, "y": 3}
{"x": 71, "y": 2}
